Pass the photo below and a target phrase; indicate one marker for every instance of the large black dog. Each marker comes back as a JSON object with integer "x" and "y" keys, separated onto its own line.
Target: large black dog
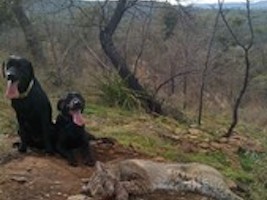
{"x": 70, "y": 128}
{"x": 32, "y": 106}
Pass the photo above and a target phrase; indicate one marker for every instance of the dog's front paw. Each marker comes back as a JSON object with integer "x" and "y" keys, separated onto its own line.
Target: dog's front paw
{"x": 73, "y": 163}
{"x": 16, "y": 145}
{"x": 22, "y": 148}
{"x": 49, "y": 152}
{"x": 49, "y": 149}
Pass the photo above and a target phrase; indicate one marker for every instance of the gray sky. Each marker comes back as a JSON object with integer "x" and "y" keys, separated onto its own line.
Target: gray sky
{"x": 204, "y": 1}
{"x": 210, "y": 1}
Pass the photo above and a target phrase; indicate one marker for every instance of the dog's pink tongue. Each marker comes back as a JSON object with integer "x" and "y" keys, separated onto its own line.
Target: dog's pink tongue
{"x": 78, "y": 118}
{"x": 12, "y": 91}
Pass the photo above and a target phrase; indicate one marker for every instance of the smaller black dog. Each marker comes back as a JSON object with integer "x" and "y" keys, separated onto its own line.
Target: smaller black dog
{"x": 70, "y": 127}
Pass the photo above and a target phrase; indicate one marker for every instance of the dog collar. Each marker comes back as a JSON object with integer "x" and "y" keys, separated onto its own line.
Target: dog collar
{"x": 25, "y": 94}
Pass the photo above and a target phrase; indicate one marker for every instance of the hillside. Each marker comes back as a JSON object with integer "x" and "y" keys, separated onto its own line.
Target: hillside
{"x": 173, "y": 52}
{"x": 139, "y": 136}
{"x": 34, "y": 176}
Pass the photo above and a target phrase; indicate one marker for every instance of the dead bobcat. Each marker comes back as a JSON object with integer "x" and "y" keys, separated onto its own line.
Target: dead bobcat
{"x": 137, "y": 177}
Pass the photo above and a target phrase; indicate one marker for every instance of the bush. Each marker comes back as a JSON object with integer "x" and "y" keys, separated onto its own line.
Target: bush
{"x": 115, "y": 92}
{"x": 259, "y": 187}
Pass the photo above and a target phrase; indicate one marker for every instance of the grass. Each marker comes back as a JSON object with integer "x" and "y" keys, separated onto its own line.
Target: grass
{"x": 216, "y": 159}
{"x": 141, "y": 132}
{"x": 259, "y": 186}
{"x": 248, "y": 160}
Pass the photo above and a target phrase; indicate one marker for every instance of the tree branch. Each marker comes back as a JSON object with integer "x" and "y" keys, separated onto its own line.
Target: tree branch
{"x": 171, "y": 78}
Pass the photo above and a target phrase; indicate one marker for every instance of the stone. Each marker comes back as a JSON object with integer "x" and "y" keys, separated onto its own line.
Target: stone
{"x": 79, "y": 197}
{"x": 19, "y": 179}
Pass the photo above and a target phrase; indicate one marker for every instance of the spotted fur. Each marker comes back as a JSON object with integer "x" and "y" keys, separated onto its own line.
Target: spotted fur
{"x": 137, "y": 177}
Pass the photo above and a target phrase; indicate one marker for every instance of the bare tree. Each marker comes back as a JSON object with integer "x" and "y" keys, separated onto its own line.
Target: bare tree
{"x": 33, "y": 42}
{"x": 144, "y": 36}
{"x": 106, "y": 33}
{"x": 205, "y": 70}
{"x": 246, "y": 47}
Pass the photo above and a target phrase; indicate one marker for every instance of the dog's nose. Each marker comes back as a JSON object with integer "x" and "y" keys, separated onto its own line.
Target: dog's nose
{"x": 11, "y": 74}
{"x": 11, "y": 77}
{"x": 75, "y": 104}
{"x": 76, "y": 101}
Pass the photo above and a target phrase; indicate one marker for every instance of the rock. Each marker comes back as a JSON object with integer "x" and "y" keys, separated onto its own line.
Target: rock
{"x": 216, "y": 145}
{"x": 85, "y": 180}
{"x": 180, "y": 131}
{"x": 79, "y": 197}
{"x": 204, "y": 145}
{"x": 223, "y": 140}
{"x": 193, "y": 137}
{"x": 193, "y": 125}
{"x": 57, "y": 182}
{"x": 195, "y": 131}
{"x": 19, "y": 179}
{"x": 188, "y": 147}
{"x": 47, "y": 195}
{"x": 159, "y": 159}
{"x": 231, "y": 184}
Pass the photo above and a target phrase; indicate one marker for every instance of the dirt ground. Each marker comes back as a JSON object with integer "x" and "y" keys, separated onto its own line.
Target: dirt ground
{"x": 35, "y": 176}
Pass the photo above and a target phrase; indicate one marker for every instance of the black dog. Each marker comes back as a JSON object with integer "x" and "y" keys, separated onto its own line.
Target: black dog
{"x": 32, "y": 106}
{"x": 70, "y": 127}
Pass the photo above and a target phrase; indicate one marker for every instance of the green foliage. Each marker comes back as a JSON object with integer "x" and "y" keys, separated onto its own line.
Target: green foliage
{"x": 115, "y": 92}
{"x": 259, "y": 186}
{"x": 248, "y": 160}
{"x": 237, "y": 21}
{"x": 238, "y": 175}
{"x": 216, "y": 159}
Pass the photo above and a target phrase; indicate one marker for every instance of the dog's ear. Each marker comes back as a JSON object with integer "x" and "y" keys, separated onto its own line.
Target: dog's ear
{"x": 4, "y": 69}
{"x": 61, "y": 104}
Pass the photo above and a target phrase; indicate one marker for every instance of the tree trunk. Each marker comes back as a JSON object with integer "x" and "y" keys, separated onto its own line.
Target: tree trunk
{"x": 246, "y": 48}
{"x": 240, "y": 96}
{"x": 172, "y": 82}
{"x": 185, "y": 92}
{"x": 30, "y": 35}
{"x": 119, "y": 62}
{"x": 205, "y": 70}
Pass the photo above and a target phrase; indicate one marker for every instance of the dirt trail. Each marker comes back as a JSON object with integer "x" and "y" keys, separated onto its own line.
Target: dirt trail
{"x": 35, "y": 176}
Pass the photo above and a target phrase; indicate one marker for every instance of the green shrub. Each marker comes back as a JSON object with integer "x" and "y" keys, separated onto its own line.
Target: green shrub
{"x": 248, "y": 160}
{"x": 115, "y": 92}
{"x": 259, "y": 187}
